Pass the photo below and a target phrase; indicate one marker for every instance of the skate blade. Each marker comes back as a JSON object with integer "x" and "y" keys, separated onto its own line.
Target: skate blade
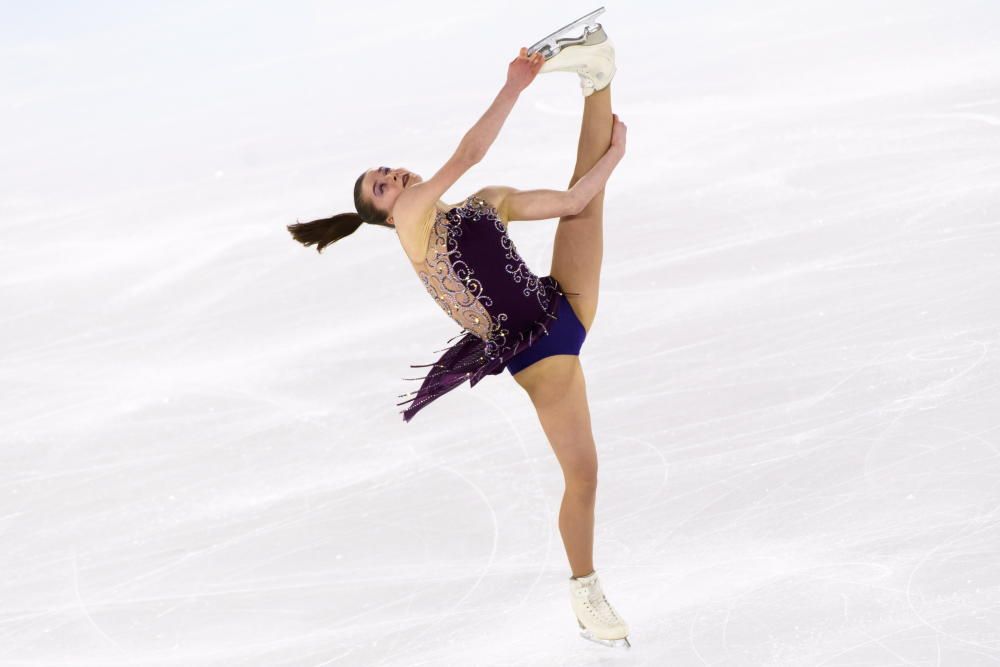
{"x": 612, "y": 643}
{"x": 553, "y": 49}
{"x": 548, "y": 43}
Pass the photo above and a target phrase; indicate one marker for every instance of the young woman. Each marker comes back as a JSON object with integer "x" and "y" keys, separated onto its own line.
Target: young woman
{"x": 533, "y": 326}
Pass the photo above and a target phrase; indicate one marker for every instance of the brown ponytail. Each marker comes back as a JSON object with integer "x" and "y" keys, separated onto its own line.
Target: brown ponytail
{"x": 325, "y": 231}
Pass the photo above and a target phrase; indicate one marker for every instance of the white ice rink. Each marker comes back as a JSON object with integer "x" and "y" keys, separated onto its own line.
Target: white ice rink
{"x": 794, "y": 373}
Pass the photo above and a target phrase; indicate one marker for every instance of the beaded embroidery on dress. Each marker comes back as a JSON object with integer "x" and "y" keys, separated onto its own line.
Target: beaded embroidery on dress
{"x": 450, "y": 280}
{"x": 473, "y": 271}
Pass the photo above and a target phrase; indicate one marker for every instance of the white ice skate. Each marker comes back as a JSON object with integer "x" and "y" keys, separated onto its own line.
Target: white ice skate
{"x": 591, "y": 55}
{"x": 595, "y": 615}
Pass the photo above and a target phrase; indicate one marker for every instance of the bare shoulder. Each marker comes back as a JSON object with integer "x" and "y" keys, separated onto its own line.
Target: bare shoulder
{"x": 414, "y": 233}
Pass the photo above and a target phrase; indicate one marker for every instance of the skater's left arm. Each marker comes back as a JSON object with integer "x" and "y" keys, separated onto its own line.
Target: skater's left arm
{"x": 520, "y": 73}
{"x": 513, "y": 204}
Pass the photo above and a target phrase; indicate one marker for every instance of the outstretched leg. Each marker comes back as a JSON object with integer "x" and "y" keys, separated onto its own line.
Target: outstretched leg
{"x": 579, "y": 243}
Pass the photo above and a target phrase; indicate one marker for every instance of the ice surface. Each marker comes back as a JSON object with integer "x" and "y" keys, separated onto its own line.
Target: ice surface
{"x": 794, "y": 374}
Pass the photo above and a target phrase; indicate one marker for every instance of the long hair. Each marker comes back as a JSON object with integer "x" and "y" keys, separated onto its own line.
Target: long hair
{"x": 325, "y": 231}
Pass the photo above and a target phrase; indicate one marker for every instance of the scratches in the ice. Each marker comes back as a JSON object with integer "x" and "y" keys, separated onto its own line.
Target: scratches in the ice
{"x": 813, "y": 400}
{"x": 692, "y": 642}
{"x": 83, "y": 605}
{"x": 665, "y": 468}
{"x": 981, "y": 519}
{"x": 544, "y": 507}
{"x": 441, "y": 616}
{"x": 989, "y": 444}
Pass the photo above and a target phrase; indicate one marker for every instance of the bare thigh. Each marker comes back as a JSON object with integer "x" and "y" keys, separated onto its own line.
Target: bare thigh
{"x": 557, "y": 388}
{"x": 579, "y": 244}
{"x": 576, "y": 260}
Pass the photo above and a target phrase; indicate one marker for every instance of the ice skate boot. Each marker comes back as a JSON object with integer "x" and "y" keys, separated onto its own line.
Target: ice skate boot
{"x": 590, "y": 54}
{"x": 594, "y": 614}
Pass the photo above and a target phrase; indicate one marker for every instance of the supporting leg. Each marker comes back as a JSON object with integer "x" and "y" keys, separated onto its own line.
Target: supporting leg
{"x": 557, "y": 388}
{"x": 579, "y": 241}
{"x": 576, "y": 525}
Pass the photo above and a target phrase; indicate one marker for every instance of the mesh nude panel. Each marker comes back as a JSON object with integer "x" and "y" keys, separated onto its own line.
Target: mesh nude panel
{"x": 452, "y": 282}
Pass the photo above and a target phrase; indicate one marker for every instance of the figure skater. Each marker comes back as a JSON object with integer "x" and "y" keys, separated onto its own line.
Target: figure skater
{"x": 511, "y": 318}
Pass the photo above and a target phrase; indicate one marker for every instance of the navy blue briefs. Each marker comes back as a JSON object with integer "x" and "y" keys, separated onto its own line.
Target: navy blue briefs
{"x": 566, "y": 336}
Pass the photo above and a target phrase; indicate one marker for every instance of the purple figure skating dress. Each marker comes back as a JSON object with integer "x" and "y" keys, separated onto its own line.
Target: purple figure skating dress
{"x": 508, "y": 314}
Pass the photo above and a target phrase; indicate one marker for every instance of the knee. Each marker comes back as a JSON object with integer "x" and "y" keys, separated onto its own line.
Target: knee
{"x": 581, "y": 476}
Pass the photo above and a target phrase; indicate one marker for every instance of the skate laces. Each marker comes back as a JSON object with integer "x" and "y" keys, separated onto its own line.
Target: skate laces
{"x": 608, "y": 611}
{"x": 598, "y": 602}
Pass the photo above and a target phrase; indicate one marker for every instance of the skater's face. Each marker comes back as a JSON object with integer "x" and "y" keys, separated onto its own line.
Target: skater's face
{"x": 383, "y": 186}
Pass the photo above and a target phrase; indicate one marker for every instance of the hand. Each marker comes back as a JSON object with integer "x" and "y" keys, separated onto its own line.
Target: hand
{"x": 522, "y": 70}
{"x": 618, "y": 131}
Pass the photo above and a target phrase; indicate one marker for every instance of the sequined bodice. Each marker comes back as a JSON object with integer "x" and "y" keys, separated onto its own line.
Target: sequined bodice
{"x": 475, "y": 274}
{"x": 449, "y": 279}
